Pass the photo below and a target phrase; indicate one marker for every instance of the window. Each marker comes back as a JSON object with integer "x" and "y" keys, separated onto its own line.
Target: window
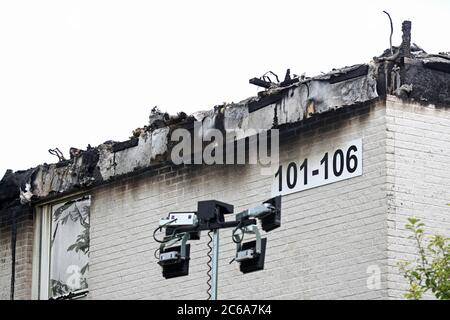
{"x": 61, "y": 254}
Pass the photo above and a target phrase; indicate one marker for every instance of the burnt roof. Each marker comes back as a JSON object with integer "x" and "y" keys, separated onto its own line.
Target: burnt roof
{"x": 409, "y": 73}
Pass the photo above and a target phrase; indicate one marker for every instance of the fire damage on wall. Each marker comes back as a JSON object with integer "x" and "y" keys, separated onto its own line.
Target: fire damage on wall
{"x": 406, "y": 71}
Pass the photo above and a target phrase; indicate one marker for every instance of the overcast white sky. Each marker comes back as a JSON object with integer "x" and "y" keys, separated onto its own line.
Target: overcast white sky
{"x": 74, "y": 73}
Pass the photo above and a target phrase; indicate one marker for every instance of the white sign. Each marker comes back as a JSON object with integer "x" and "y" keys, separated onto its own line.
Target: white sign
{"x": 339, "y": 162}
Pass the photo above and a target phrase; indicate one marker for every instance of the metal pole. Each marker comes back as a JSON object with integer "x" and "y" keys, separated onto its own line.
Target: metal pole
{"x": 215, "y": 264}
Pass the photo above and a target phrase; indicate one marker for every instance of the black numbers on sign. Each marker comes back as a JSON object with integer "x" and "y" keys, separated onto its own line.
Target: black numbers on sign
{"x": 338, "y": 169}
{"x": 291, "y": 175}
{"x": 352, "y": 158}
{"x": 341, "y": 161}
{"x": 279, "y": 174}
{"x": 304, "y": 167}
{"x": 324, "y": 162}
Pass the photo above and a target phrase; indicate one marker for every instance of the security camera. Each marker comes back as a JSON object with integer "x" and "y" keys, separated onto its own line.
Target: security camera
{"x": 249, "y": 258}
{"x": 174, "y": 256}
{"x": 175, "y": 261}
{"x": 269, "y": 212}
{"x": 179, "y": 219}
{"x": 272, "y": 221}
{"x": 250, "y": 255}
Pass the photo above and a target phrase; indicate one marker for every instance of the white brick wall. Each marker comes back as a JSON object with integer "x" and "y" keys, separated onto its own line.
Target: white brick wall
{"x": 329, "y": 235}
{"x": 418, "y": 169}
{"x": 5, "y": 260}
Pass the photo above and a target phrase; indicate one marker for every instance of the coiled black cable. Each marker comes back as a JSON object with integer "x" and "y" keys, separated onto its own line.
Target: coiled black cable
{"x": 166, "y": 239}
{"x": 160, "y": 229}
{"x": 209, "y": 264}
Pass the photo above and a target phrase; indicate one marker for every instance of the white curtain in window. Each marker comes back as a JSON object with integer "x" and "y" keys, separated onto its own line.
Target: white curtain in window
{"x": 69, "y": 247}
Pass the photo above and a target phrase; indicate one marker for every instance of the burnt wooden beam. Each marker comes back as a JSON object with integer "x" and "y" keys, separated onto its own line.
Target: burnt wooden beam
{"x": 265, "y": 101}
{"x": 438, "y": 66}
{"x": 358, "y": 72}
{"x": 125, "y": 145}
{"x": 288, "y": 82}
{"x": 261, "y": 83}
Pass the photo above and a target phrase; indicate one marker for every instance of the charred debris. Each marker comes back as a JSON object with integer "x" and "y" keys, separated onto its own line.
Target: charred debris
{"x": 406, "y": 71}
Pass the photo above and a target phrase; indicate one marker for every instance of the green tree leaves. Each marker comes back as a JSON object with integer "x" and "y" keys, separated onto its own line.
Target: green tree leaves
{"x": 431, "y": 270}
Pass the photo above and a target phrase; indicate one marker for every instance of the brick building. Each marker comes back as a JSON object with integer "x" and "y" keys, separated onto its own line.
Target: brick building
{"x": 335, "y": 238}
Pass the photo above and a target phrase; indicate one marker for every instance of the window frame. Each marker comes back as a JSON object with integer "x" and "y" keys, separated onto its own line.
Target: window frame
{"x": 40, "y": 288}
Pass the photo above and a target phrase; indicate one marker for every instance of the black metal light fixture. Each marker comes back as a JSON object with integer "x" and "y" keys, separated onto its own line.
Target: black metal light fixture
{"x": 210, "y": 216}
{"x": 269, "y": 212}
{"x": 272, "y": 220}
{"x": 251, "y": 258}
{"x": 175, "y": 261}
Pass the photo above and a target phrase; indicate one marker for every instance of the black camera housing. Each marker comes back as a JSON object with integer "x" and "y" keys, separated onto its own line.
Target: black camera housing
{"x": 257, "y": 263}
{"x": 180, "y": 267}
{"x": 213, "y": 211}
{"x": 273, "y": 220}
